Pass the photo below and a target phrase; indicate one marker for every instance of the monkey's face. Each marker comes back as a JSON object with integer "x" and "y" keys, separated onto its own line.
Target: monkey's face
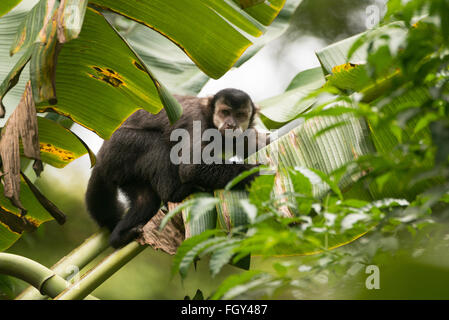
{"x": 232, "y": 116}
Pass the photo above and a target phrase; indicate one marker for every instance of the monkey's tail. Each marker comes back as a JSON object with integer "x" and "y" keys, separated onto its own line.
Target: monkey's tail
{"x": 102, "y": 202}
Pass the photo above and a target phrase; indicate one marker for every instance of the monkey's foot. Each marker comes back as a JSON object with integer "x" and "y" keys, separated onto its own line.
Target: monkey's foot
{"x": 120, "y": 238}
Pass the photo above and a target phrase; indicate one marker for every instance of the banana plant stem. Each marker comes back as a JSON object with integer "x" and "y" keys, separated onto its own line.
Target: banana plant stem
{"x": 42, "y": 278}
{"x": 71, "y": 264}
{"x": 100, "y": 273}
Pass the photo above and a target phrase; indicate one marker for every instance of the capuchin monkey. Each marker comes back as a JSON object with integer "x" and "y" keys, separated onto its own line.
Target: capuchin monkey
{"x": 144, "y": 159}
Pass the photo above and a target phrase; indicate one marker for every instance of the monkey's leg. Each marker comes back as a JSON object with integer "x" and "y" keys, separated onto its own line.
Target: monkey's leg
{"x": 144, "y": 205}
{"x": 101, "y": 200}
{"x": 182, "y": 192}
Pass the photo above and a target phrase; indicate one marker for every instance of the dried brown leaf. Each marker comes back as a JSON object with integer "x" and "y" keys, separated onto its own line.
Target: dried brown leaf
{"x": 21, "y": 125}
{"x": 44, "y": 59}
{"x": 167, "y": 240}
{"x": 61, "y": 27}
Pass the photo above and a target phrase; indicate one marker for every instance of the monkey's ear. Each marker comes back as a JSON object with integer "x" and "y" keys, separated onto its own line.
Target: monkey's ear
{"x": 206, "y": 102}
{"x": 256, "y": 109}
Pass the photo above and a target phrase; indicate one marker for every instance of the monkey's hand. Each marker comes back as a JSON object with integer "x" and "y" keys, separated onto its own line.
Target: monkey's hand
{"x": 246, "y": 182}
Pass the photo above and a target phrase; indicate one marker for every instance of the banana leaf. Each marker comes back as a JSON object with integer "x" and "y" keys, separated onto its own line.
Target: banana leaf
{"x": 206, "y": 22}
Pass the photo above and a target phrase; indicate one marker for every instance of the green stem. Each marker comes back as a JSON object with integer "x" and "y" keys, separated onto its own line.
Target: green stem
{"x": 85, "y": 253}
{"x": 96, "y": 276}
{"x": 44, "y": 279}
{"x": 79, "y": 258}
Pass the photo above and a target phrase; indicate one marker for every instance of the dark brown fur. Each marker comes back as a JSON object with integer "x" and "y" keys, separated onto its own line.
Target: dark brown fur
{"x": 136, "y": 159}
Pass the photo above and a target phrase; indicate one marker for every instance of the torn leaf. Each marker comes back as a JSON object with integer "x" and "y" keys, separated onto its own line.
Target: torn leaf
{"x": 16, "y": 223}
{"x": 44, "y": 58}
{"x": 22, "y": 124}
{"x": 12, "y": 78}
{"x": 54, "y": 211}
{"x": 70, "y": 19}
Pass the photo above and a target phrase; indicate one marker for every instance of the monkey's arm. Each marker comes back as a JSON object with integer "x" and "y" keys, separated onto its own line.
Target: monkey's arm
{"x": 214, "y": 176}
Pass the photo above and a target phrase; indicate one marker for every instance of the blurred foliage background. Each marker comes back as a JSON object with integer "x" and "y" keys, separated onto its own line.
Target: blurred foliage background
{"x": 148, "y": 276}
{"x": 414, "y": 271}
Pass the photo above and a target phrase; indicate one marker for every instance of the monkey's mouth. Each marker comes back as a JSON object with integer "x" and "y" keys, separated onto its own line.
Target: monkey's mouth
{"x": 227, "y": 132}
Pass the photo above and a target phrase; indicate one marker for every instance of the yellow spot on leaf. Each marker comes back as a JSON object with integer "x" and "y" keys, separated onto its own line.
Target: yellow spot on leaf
{"x": 107, "y": 75}
{"x": 62, "y": 154}
{"x": 343, "y": 67}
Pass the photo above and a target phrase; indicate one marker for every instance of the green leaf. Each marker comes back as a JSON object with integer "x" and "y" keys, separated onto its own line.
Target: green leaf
{"x": 383, "y": 137}
{"x": 200, "y": 207}
{"x": 229, "y": 210}
{"x": 172, "y": 66}
{"x": 265, "y": 12}
{"x": 51, "y": 208}
{"x": 249, "y": 3}
{"x": 336, "y": 54}
{"x": 354, "y": 78}
{"x": 332, "y": 184}
{"x": 261, "y": 189}
{"x": 250, "y": 210}
{"x": 354, "y": 50}
{"x": 301, "y": 184}
{"x": 221, "y": 257}
{"x": 10, "y": 66}
{"x": 327, "y": 152}
{"x": 242, "y": 262}
{"x": 111, "y": 84}
{"x": 61, "y": 22}
{"x": 222, "y": 253}
{"x": 44, "y": 58}
{"x": 8, "y": 5}
{"x": 169, "y": 64}
{"x": 229, "y": 12}
{"x": 306, "y": 77}
{"x": 190, "y": 256}
{"x": 12, "y": 224}
{"x": 7, "y": 235}
{"x": 198, "y": 212}
{"x": 206, "y": 22}
{"x": 98, "y": 93}
{"x": 59, "y": 146}
{"x": 234, "y": 281}
{"x": 285, "y": 107}
{"x": 30, "y": 27}
{"x": 190, "y": 248}
{"x": 204, "y": 220}
{"x": 172, "y": 107}
{"x": 12, "y": 78}
{"x": 274, "y": 31}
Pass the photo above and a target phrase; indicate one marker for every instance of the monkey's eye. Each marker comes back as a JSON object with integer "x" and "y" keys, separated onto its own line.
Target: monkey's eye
{"x": 241, "y": 115}
{"x": 225, "y": 112}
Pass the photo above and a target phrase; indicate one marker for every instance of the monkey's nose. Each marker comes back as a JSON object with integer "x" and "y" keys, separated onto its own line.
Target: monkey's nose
{"x": 230, "y": 126}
